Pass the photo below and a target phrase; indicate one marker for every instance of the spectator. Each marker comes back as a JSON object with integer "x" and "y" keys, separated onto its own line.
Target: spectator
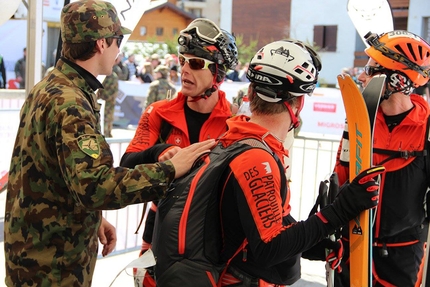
{"x": 146, "y": 74}
{"x": 160, "y": 88}
{"x": 243, "y": 71}
{"x": 109, "y": 93}
{"x": 174, "y": 75}
{"x": 2, "y": 73}
{"x": 132, "y": 67}
{"x": 233, "y": 76}
{"x": 155, "y": 60}
{"x": 20, "y": 70}
{"x": 120, "y": 69}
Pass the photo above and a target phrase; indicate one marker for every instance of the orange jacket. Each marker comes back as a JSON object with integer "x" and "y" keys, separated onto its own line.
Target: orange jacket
{"x": 172, "y": 112}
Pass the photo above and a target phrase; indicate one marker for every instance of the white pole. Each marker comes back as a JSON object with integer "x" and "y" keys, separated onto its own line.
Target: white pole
{"x": 34, "y": 44}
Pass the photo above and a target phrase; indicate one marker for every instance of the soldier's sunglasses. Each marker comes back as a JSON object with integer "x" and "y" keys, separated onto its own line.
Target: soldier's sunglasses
{"x": 195, "y": 63}
{"x": 118, "y": 39}
{"x": 372, "y": 70}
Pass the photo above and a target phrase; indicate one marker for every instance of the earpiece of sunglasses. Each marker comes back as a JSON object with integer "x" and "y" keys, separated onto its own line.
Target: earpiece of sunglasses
{"x": 372, "y": 70}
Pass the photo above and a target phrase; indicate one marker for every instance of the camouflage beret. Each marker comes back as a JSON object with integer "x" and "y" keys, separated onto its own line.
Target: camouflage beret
{"x": 86, "y": 21}
{"x": 162, "y": 69}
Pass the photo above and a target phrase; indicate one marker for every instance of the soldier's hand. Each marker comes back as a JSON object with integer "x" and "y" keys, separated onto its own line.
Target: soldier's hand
{"x": 184, "y": 159}
{"x": 171, "y": 151}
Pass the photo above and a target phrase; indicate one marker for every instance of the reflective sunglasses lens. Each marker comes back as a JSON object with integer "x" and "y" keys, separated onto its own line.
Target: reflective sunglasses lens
{"x": 196, "y": 64}
{"x": 118, "y": 41}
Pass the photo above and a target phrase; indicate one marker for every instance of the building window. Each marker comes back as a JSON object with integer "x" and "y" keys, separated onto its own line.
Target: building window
{"x": 175, "y": 31}
{"x": 325, "y": 37}
{"x": 195, "y": 11}
{"x": 142, "y": 31}
{"x": 159, "y": 31}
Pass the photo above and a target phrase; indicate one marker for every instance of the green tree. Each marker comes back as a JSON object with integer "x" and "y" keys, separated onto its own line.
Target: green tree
{"x": 246, "y": 51}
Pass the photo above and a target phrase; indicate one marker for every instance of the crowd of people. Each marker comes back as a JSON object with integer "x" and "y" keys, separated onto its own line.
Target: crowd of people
{"x": 62, "y": 173}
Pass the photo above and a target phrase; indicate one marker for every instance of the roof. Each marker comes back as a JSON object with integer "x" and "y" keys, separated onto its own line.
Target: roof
{"x": 160, "y": 4}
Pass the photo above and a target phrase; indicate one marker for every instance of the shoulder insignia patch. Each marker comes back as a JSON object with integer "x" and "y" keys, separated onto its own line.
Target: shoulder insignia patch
{"x": 90, "y": 146}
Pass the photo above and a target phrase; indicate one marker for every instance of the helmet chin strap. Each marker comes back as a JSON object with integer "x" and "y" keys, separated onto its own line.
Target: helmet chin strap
{"x": 208, "y": 92}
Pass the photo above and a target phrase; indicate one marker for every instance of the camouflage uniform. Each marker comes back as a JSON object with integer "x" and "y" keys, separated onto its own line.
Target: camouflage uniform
{"x": 61, "y": 177}
{"x": 20, "y": 71}
{"x": 109, "y": 94}
{"x": 159, "y": 89}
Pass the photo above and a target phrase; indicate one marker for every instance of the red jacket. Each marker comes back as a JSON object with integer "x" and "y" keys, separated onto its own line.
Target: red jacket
{"x": 172, "y": 112}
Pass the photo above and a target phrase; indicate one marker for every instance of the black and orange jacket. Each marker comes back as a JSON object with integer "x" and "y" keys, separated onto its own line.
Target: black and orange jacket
{"x": 142, "y": 150}
{"x": 252, "y": 208}
{"x": 404, "y": 184}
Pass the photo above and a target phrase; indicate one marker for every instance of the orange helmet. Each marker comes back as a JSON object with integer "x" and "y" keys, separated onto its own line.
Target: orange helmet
{"x": 401, "y": 51}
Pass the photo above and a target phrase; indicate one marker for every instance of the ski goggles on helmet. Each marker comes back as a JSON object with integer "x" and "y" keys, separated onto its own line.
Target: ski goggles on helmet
{"x": 205, "y": 30}
{"x": 372, "y": 70}
{"x": 195, "y": 63}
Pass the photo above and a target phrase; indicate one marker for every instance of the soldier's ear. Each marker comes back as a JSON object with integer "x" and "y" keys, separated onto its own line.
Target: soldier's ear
{"x": 101, "y": 45}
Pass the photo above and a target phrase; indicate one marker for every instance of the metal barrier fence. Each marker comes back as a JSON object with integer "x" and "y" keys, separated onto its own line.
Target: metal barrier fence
{"x": 312, "y": 161}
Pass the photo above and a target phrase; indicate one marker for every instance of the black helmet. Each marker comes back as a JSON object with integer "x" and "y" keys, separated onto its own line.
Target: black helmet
{"x": 204, "y": 39}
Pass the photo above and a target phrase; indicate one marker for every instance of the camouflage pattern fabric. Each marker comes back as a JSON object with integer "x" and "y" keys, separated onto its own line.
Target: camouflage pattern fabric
{"x": 61, "y": 177}
{"x": 86, "y": 21}
{"x": 158, "y": 90}
{"x": 20, "y": 71}
{"x": 109, "y": 94}
{"x": 121, "y": 71}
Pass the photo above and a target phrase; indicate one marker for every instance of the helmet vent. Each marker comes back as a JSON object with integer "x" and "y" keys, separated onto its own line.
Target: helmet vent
{"x": 298, "y": 71}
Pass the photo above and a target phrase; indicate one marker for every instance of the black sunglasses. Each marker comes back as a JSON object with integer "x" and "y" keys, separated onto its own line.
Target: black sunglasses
{"x": 372, "y": 70}
{"x": 118, "y": 39}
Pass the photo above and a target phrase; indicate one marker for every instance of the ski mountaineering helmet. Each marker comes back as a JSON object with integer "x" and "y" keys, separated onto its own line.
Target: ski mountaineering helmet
{"x": 204, "y": 39}
{"x": 401, "y": 51}
{"x": 284, "y": 66}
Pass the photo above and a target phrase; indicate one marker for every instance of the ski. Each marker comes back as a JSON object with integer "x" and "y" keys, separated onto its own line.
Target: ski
{"x": 370, "y": 15}
{"x": 360, "y": 111}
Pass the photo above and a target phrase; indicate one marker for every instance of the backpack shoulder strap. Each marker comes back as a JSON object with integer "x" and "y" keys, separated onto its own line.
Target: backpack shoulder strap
{"x": 165, "y": 131}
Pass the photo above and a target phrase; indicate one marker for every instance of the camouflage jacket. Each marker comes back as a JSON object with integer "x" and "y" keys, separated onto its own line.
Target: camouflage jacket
{"x": 158, "y": 90}
{"x": 61, "y": 176}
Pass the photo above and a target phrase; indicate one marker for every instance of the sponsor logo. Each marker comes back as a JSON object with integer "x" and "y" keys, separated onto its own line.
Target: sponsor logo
{"x": 324, "y": 107}
{"x": 263, "y": 79}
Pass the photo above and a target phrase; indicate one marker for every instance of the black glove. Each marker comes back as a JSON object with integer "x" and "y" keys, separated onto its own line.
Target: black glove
{"x": 361, "y": 194}
{"x": 318, "y": 251}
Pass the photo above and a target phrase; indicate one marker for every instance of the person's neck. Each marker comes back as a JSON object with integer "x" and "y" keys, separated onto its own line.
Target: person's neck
{"x": 204, "y": 105}
{"x": 90, "y": 65}
{"x": 277, "y": 125}
{"x": 396, "y": 104}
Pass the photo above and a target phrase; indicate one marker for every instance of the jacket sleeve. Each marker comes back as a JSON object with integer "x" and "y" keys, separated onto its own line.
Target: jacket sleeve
{"x": 87, "y": 163}
{"x": 147, "y": 132}
{"x": 150, "y": 155}
{"x": 259, "y": 207}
